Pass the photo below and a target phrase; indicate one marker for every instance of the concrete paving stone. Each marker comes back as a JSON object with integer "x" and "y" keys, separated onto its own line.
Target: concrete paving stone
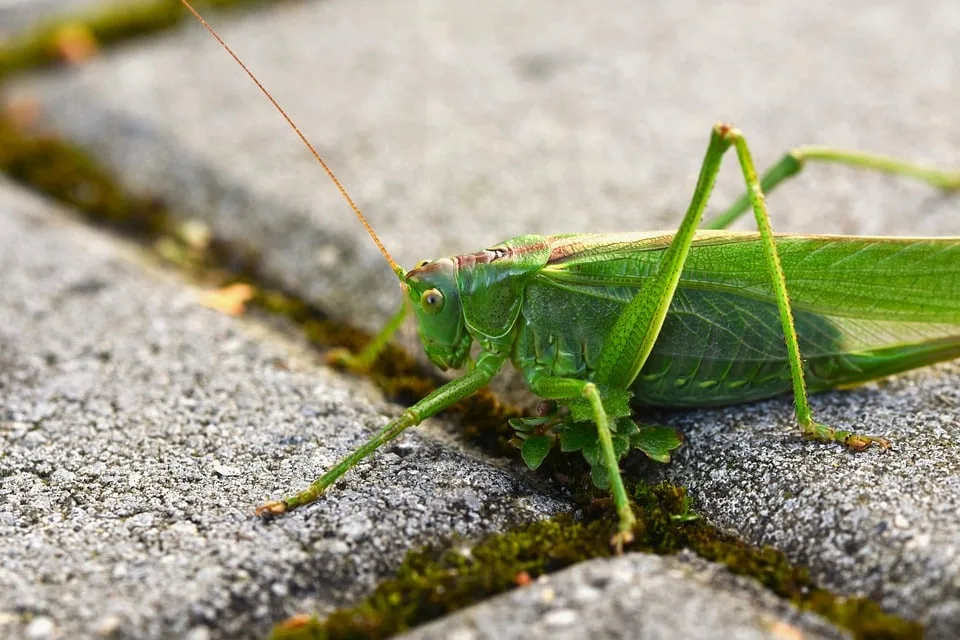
{"x": 633, "y": 596}
{"x": 882, "y": 524}
{"x": 457, "y": 124}
{"x": 138, "y": 430}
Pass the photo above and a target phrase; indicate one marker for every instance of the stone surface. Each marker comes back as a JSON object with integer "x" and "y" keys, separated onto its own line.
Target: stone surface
{"x": 455, "y": 125}
{"x": 138, "y": 430}
{"x": 882, "y": 524}
{"x": 633, "y": 596}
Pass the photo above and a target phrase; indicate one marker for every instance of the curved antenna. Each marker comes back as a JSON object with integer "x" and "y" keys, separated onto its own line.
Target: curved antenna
{"x": 397, "y": 269}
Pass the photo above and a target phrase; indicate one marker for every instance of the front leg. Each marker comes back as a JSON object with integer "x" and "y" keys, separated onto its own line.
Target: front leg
{"x": 488, "y": 365}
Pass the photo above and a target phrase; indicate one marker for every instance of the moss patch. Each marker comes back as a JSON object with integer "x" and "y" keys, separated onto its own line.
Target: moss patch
{"x": 62, "y": 172}
{"x": 432, "y": 583}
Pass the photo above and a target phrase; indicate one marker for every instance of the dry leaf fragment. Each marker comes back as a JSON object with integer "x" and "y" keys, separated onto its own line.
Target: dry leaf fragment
{"x": 230, "y": 300}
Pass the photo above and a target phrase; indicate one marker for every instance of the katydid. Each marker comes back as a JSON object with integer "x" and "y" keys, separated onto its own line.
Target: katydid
{"x": 596, "y": 323}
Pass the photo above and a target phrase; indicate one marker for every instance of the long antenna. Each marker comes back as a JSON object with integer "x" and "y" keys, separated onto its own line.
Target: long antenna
{"x": 397, "y": 269}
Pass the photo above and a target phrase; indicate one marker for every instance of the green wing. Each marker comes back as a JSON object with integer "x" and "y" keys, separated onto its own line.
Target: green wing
{"x": 864, "y": 308}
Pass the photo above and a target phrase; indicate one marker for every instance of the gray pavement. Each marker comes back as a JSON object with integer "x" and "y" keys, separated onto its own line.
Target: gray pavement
{"x": 880, "y": 524}
{"x": 139, "y": 430}
{"x": 456, "y": 125}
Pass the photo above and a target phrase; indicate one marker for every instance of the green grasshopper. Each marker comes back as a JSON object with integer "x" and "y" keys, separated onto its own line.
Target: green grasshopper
{"x": 694, "y": 318}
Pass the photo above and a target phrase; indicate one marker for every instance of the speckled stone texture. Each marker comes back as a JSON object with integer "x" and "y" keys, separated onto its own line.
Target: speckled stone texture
{"x": 138, "y": 431}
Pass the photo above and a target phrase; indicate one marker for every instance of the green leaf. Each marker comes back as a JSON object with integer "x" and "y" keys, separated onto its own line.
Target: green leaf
{"x": 686, "y": 516}
{"x": 656, "y": 441}
{"x": 600, "y": 477}
{"x": 591, "y": 452}
{"x": 527, "y": 424}
{"x": 580, "y": 410}
{"x": 616, "y": 403}
{"x": 621, "y": 444}
{"x": 535, "y": 449}
{"x": 577, "y": 435}
{"x": 625, "y": 427}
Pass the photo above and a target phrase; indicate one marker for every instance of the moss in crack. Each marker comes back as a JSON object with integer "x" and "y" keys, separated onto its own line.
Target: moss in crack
{"x": 44, "y": 163}
{"x": 437, "y": 581}
{"x": 434, "y": 582}
{"x": 50, "y": 41}
{"x": 440, "y": 580}
{"x": 861, "y": 616}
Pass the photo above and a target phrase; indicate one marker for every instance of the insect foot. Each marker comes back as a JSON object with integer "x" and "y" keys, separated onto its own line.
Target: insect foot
{"x": 619, "y": 539}
{"x": 271, "y": 509}
{"x": 859, "y": 442}
{"x": 276, "y": 508}
{"x": 853, "y": 441}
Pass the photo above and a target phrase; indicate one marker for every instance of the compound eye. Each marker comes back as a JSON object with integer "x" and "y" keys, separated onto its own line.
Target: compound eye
{"x": 422, "y": 264}
{"x": 432, "y": 301}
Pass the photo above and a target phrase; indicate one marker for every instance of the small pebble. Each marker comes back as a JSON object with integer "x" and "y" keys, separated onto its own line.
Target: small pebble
{"x": 560, "y": 618}
{"x": 198, "y": 633}
{"x": 41, "y": 627}
{"x": 109, "y": 626}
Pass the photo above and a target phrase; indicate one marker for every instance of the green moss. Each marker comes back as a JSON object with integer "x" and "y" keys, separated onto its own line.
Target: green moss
{"x": 62, "y": 172}
{"x": 112, "y": 23}
{"x": 437, "y": 581}
{"x": 863, "y": 617}
{"x": 432, "y": 583}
